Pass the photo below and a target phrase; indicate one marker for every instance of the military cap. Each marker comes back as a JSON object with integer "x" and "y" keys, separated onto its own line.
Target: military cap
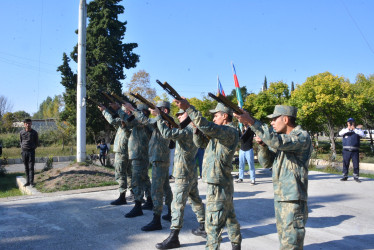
{"x": 141, "y": 106}
{"x": 163, "y": 104}
{"x": 283, "y": 110}
{"x": 180, "y": 112}
{"x": 221, "y": 108}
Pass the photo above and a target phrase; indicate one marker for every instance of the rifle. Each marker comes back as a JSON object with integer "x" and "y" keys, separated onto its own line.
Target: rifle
{"x": 170, "y": 90}
{"x": 176, "y": 96}
{"x": 93, "y": 102}
{"x": 222, "y": 99}
{"x": 107, "y": 96}
{"x": 164, "y": 116}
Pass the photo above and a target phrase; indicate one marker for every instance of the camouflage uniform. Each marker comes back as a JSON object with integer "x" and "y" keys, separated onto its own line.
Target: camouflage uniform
{"x": 184, "y": 173}
{"x": 122, "y": 165}
{"x": 217, "y": 167}
{"x": 288, "y": 155}
{"x": 159, "y": 157}
{"x": 138, "y": 154}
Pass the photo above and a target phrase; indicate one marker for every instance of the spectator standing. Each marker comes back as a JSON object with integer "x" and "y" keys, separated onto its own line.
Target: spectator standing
{"x": 351, "y": 145}
{"x": 29, "y": 141}
{"x": 246, "y": 154}
{"x": 103, "y": 152}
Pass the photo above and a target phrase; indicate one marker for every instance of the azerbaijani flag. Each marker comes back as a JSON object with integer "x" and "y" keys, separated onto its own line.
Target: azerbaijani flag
{"x": 219, "y": 87}
{"x": 237, "y": 87}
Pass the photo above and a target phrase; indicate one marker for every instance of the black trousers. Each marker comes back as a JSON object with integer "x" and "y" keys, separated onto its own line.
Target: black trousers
{"x": 28, "y": 158}
{"x": 347, "y": 156}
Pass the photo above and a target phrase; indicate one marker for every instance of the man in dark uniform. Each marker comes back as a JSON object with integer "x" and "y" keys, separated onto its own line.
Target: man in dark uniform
{"x": 29, "y": 141}
{"x": 351, "y": 145}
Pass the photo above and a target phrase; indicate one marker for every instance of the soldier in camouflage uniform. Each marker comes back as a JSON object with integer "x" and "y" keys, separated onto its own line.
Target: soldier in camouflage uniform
{"x": 122, "y": 165}
{"x": 159, "y": 157}
{"x": 185, "y": 181}
{"x": 286, "y": 148}
{"x": 138, "y": 154}
{"x": 220, "y": 142}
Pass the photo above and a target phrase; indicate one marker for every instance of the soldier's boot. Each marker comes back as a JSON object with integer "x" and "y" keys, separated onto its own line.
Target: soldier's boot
{"x": 136, "y": 211}
{"x": 170, "y": 242}
{"x": 168, "y": 215}
{"x": 235, "y": 246}
{"x": 148, "y": 205}
{"x": 155, "y": 224}
{"x": 200, "y": 231}
{"x": 121, "y": 200}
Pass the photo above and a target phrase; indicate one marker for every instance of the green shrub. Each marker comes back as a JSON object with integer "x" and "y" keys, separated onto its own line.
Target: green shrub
{"x": 11, "y": 140}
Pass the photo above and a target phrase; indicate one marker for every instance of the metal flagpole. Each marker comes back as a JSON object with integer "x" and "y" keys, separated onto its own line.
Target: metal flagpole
{"x": 81, "y": 86}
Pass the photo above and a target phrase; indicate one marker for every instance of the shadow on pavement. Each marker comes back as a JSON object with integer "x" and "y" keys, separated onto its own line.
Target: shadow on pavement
{"x": 348, "y": 242}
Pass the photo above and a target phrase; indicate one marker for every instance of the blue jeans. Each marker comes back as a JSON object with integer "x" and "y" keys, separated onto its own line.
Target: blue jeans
{"x": 200, "y": 156}
{"x": 243, "y": 156}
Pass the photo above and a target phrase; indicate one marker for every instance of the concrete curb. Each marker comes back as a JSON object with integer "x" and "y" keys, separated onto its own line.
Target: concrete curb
{"x": 26, "y": 190}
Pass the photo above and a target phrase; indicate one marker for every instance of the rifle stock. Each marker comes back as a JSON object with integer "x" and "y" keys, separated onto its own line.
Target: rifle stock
{"x": 94, "y": 102}
{"x": 166, "y": 86}
{"x": 222, "y": 99}
{"x": 164, "y": 116}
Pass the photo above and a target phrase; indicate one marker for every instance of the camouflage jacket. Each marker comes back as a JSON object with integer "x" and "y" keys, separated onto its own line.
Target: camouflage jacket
{"x": 288, "y": 155}
{"x": 220, "y": 148}
{"x": 158, "y": 145}
{"x": 122, "y": 135}
{"x": 185, "y": 151}
{"x": 139, "y": 138}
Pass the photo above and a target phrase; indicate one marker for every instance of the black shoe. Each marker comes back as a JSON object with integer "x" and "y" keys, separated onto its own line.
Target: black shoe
{"x": 239, "y": 181}
{"x": 235, "y": 246}
{"x": 148, "y": 205}
{"x": 357, "y": 179}
{"x": 155, "y": 224}
{"x": 170, "y": 242}
{"x": 344, "y": 179}
{"x": 171, "y": 177}
{"x": 136, "y": 211}
{"x": 200, "y": 231}
{"x": 121, "y": 200}
{"x": 168, "y": 215}
{"x": 26, "y": 184}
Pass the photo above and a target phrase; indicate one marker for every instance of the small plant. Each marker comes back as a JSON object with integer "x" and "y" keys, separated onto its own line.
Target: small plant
{"x": 48, "y": 164}
{"x": 3, "y": 163}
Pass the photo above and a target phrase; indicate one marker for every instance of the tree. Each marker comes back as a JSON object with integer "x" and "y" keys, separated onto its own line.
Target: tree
{"x": 203, "y": 106}
{"x": 7, "y": 121}
{"x": 49, "y": 108}
{"x": 106, "y": 58}
{"x": 232, "y": 96}
{"x": 5, "y": 105}
{"x": 292, "y": 87}
{"x": 140, "y": 83}
{"x": 279, "y": 90}
{"x": 363, "y": 102}
{"x": 265, "y": 85}
{"x": 323, "y": 99}
{"x": 21, "y": 115}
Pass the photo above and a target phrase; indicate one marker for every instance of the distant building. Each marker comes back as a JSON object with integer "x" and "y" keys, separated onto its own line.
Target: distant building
{"x": 39, "y": 124}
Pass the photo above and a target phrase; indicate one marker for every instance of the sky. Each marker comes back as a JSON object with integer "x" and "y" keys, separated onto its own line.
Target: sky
{"x": 190, "y": 43}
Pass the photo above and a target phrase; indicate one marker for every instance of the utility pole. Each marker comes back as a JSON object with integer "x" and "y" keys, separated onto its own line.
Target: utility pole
{"x": 81, "y": 86}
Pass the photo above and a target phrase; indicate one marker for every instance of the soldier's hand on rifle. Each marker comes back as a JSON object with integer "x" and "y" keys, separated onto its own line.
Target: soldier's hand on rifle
{"x": 245, "y": 118}
{"x": 115, "y": 106}
{"x": 259, "y": 141}
{"x": 128, "y": 106}
{"x": 154, "y": 112}
{"x": 182, "y": 104}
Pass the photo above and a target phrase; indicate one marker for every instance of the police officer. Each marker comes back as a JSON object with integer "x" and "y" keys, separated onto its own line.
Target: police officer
{"x": 287, "y": 149}
{"x": 351, "y": 145}
{"x": 220, "y": 138}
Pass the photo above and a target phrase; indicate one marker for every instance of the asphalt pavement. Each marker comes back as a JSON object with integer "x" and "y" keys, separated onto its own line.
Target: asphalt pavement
{"x": 340, "y": 217}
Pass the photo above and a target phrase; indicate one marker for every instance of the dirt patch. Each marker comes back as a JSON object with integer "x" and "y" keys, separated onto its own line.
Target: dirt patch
{"x": 74, "y": 176}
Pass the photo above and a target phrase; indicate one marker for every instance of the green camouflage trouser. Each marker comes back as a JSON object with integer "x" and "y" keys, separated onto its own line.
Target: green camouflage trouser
{"x": 220, "y": 212}
{"x": 139, "y": 178}
{"x": 291, "y": 217}
{"x": 186, "y": 189}
{"x": 160, "y": 185}
{"x": 129, "y": 176}
{"x": 122, "y": 167}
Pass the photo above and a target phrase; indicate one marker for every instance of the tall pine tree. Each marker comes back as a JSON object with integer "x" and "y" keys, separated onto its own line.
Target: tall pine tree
{"x": 106, "y": 58}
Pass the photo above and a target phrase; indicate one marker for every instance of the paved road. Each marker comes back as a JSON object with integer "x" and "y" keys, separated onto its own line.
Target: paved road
{"x": 341, "y": 217}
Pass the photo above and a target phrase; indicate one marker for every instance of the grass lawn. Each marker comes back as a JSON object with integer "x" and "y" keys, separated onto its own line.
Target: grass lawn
{"x": 8, "y": 186}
